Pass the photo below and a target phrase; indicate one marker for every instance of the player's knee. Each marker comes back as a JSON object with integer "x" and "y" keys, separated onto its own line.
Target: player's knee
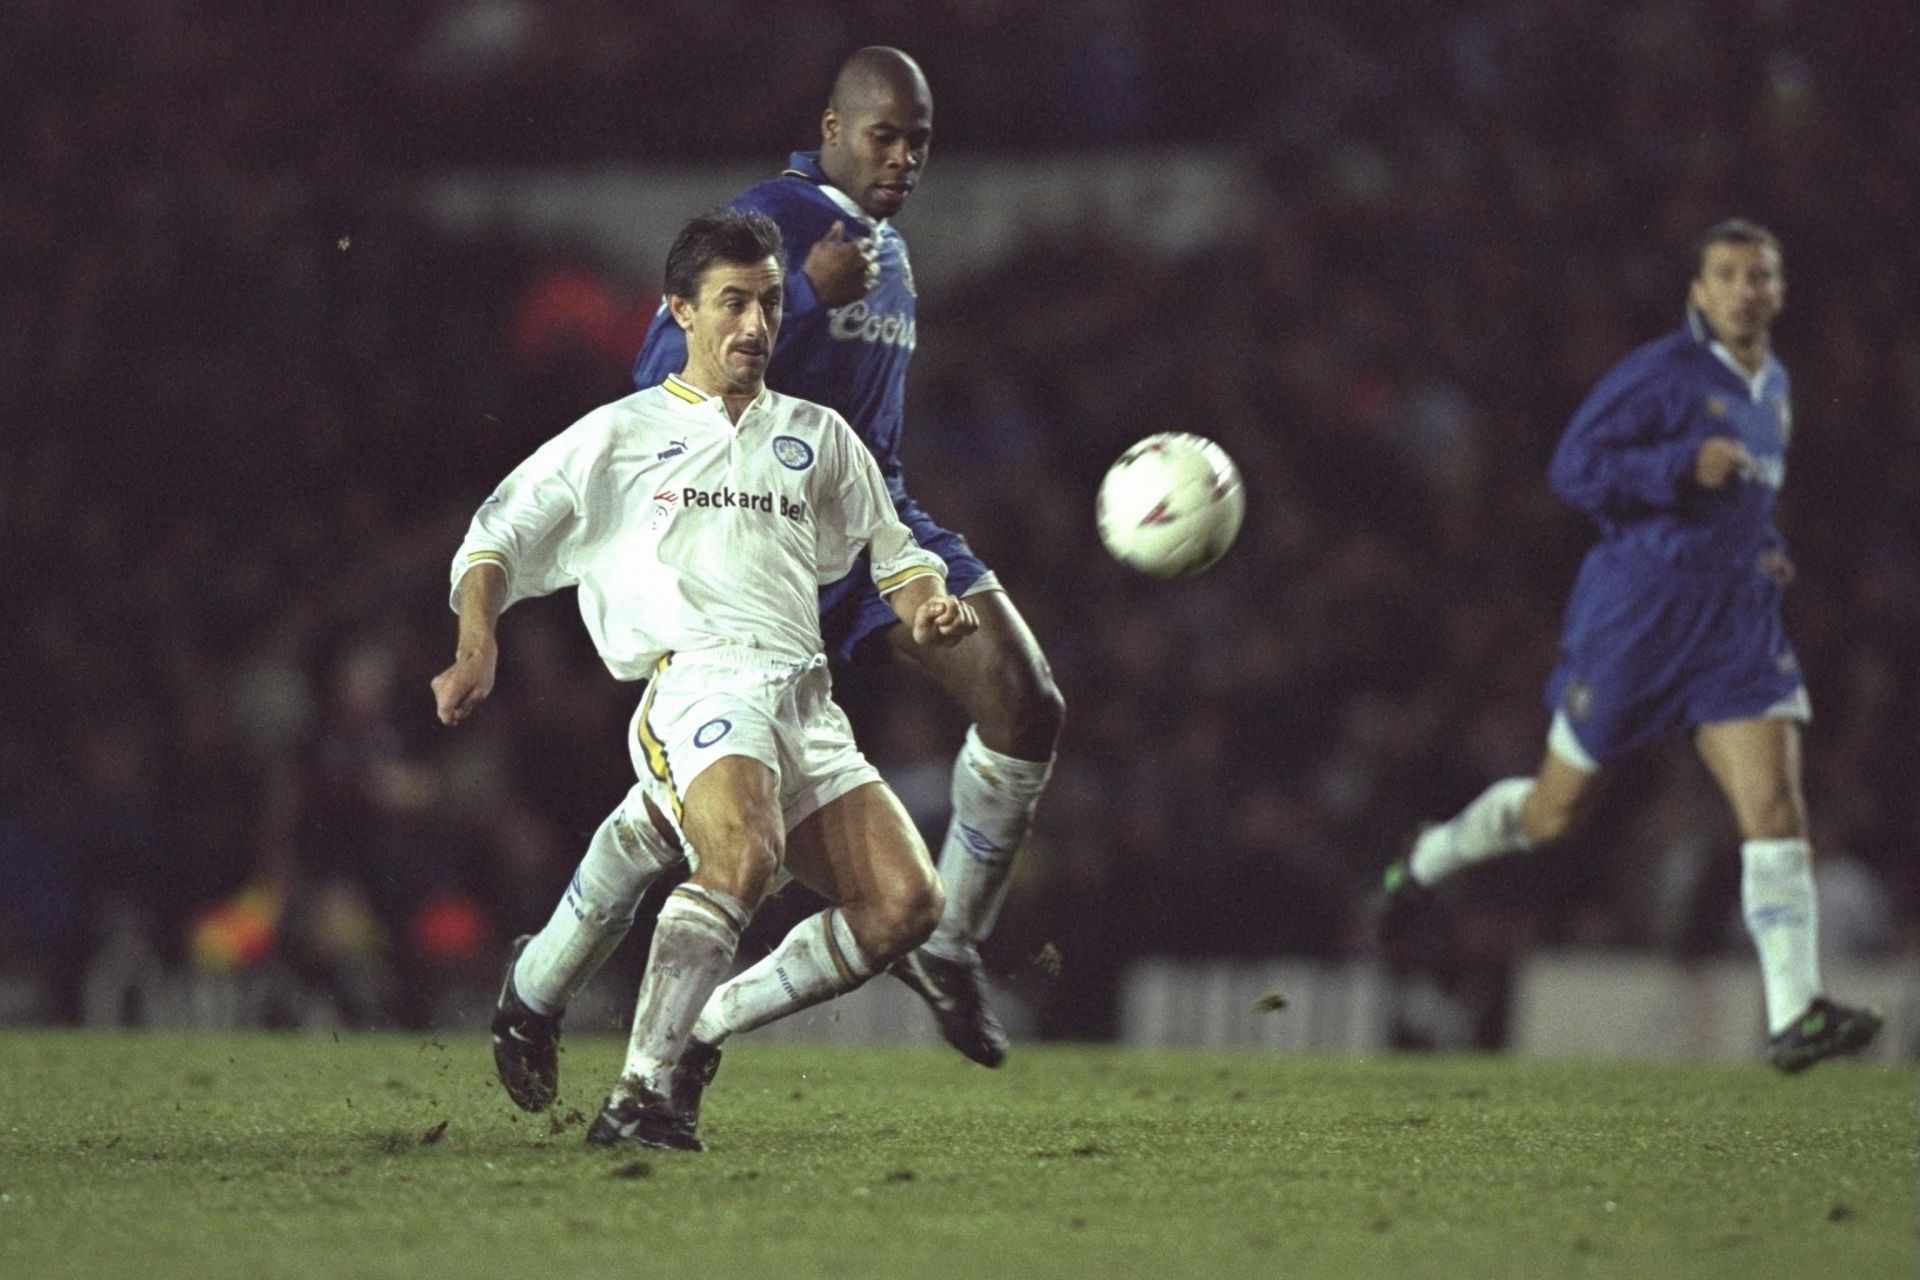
{"x": 920, "y": 913}
{"x": 1045, "y": 714}
{"x": 895, "y": 922}
{"x": 1026, "y": 715}
{"x": 743, "y": 864}
{"x": 1546, "y": 819}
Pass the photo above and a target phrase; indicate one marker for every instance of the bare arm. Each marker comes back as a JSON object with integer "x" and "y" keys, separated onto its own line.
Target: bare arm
{"x": 466, "y": 684}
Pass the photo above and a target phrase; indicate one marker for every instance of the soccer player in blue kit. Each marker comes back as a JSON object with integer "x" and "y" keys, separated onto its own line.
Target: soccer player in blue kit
{"x": 846, "y": 341}
{"x": 1678, "y": 454}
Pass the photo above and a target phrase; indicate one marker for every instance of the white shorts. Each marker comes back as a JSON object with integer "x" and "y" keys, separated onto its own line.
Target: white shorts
{"x": 708, "y": 704}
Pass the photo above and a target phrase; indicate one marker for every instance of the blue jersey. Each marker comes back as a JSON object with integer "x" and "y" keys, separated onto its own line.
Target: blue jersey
{"x": 1673, "y": 621}
{"x": 851, "y": 358}
{"x": 1627, "y": 457}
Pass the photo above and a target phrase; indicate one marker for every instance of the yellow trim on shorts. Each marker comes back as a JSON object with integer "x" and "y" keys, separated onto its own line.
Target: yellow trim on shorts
{"x": 486, "y": 557}
{"x": 893, "y": 582}
{"x": 650, "y": 744}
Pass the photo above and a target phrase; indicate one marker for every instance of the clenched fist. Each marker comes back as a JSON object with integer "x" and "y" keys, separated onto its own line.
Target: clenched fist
{"x": 842, "y": 270}
{"x": 944, "y": 620}
{"x": 466, "y": 684}
{"x": 1720, "y": 460}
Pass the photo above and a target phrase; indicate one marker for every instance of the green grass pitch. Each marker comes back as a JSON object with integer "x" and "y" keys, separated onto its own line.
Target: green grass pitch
{"x": 390, "y": 1155}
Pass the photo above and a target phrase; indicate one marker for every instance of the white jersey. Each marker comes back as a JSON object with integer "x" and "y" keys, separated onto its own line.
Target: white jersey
{"x": 684, "y": 530}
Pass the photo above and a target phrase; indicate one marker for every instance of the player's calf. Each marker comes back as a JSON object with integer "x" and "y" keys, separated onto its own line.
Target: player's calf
{"x": 891, "y": 924}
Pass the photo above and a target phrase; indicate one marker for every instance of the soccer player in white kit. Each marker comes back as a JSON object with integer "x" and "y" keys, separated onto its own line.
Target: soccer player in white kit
{"x": 698, "y": 519}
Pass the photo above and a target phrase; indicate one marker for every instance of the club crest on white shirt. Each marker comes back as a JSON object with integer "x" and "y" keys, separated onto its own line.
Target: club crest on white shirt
{"x": 794, "y": 453}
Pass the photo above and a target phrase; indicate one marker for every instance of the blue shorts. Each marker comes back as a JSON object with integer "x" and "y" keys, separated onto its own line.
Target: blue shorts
{"x": 1648, "y": 647}
{"x": 852, "y": 614}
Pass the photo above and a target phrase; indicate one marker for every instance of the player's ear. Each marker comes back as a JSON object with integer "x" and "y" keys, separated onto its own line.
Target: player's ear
{"x": 681, "y": 309}
{"x": 829, "y": 126}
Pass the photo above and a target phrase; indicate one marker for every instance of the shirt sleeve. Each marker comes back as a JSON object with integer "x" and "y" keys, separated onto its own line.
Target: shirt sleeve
{"x": 857, "y": 513}
{"x": 1625, "y": 451}
{"x": 525, "y": 525}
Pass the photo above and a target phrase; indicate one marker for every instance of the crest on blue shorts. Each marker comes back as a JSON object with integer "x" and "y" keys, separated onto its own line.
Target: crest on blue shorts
{"x": 795, "y": 454}
{"x": 711, "y": 732}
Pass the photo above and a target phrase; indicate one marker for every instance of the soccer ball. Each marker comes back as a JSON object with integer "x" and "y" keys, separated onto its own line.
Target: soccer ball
{"x": 1171, "y": 505}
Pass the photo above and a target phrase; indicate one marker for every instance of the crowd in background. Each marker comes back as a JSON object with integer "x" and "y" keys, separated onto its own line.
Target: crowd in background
{"x": 249, "y": 398}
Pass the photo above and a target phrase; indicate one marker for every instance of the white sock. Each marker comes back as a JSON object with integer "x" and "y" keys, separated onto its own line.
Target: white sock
{"x": 994, "y": 797}
{"x": 1486, "y": 828}
{"x": 815, "y": 962}
{"x": 625, "y": 856}
{"x": 693, "y": 946}
{"x": 1783, "y": 919}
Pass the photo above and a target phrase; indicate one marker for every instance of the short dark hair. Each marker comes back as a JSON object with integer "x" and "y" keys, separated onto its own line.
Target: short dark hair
{"x": 1734, "y": 231}
{"x": 741, "y": 236}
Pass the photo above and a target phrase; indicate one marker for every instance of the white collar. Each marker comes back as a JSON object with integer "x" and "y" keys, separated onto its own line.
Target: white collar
{"x": 1755, "y": 381}
{"x": 847, "y": 206}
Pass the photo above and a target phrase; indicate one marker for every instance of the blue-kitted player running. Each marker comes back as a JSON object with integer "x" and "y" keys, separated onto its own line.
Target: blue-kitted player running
{"x": 1678, "y": 454}
{"x": 846, "y": 340}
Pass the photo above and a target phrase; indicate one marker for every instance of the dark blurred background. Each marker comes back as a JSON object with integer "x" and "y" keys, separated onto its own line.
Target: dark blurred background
{"x": 252, "y": 385}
